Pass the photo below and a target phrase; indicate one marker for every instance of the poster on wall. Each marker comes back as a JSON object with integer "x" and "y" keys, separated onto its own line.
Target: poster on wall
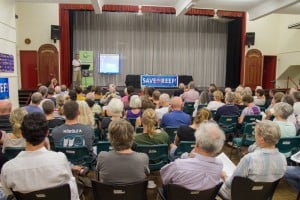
{"x": 87, "y": 67}
{"x": 6, "y": 63}
{"x": 4, "y": 88}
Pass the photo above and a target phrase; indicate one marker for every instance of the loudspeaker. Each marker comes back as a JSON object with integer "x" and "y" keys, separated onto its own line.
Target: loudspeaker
{"x": 55, "y": 32}
{"x": 250, "y": 38}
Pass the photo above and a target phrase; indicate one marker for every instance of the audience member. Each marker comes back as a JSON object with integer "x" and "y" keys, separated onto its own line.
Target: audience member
{"x": 134, "y": 110}
{"x": 191, "y": 95}
{"x": 251, "y": 108}
{"x": 296, "y": 106}
{"x": 51, "y": 96}
{"x": 164, "y": 103}
{"x": 14, "y": 138}
{"x": 86, "y": 115}
{"x": 217, "y": 102}
{"x": 203, "y": 100}
{"x": 211, "y": 89}
{"x": 71, "y": 126}
{"x": 48, "y": 107}
{"x": 276, "y": 99}
{"x": 37, "y": 168}
{"x": 180, "y": 90}
{"x": 201, "y": 170}
{"x": 150, "y": 134}
{"x": 282, "y": 111}
{"x": 112, "y": 93}
{"x": 247, "y": 91}
{"x": 176, "y": 116}
{"x": 122, "y": 165}
{"x": 5, "y": 110}
{"x": 79, "y": 94}
{"x": 259, "y": 98}
{"x": 155, "y": 98}
{"x": 128, "y": 91}
{"x": 36, "y": 99}
{"x": 115, "y": 110}
{"x": 265, "y": 164}
{"x": 58, "y": 110}
{"x": 229, "y": 108}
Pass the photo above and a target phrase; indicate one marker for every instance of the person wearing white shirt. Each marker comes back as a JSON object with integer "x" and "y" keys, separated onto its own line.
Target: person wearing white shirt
{"x": 36, "y": 168}
{"x": 76, "y": 63}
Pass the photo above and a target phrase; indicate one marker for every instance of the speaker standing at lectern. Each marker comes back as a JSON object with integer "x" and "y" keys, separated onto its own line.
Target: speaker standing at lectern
{"x": 76, "y": 63}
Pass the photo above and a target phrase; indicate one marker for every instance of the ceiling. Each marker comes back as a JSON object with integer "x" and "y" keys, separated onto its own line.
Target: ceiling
{"x": 255, "y": 8}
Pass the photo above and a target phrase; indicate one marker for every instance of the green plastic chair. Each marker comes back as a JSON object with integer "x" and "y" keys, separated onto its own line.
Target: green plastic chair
{"x": 288, "y": 145}
{"x": 228, "y": 123}
{"x": 158, "y": 155}
{"x": 188, "y": 108}
{"x": 12, "y": 152}
{"x": 184, "y": 146}
{"x": 246, "y": 140}
{"x": 200, "y": 106}
{"x": 139, "y": 129}
{"x": 77, "y": 155}
{"x": 172, "y": 131}
{"x": 103, "y": 146}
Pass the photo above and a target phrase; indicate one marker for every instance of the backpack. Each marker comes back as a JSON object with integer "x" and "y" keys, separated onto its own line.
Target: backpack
{"x": 72, "y": 140}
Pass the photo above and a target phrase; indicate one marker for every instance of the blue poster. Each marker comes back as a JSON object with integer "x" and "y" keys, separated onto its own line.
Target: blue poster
{"x": 4, "y": 88}
{"x": 159, "y": 81}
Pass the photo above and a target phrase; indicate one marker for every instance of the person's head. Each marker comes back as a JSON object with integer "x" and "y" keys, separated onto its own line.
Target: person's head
{"x": 48, "y": 107}
{"x": 60, "y": 100}
{"x": 218, "y": 95}
{"x": 147, "y": 103}
{"x": 78, "y": 90}
{"x": 149, "y": 120}
{"x": 73, "y": 95}
{"x": 43, "y": 90}
{"x": 202, "y": 115}
{"x": 36, "y": 98}
{"x": 176, "y": 103}
{"x": 164, "y": 99}
{"x": 227, "y": 89}
{"x": 191, "y": 85}
{"x": 181, "y": 86}
{"x": 71, "y": 110}
{"x": 90, "y": 95}
{"x": 247, "y": 91}
{"x": 267, "y": 133}
{"x": 135, "y": 102}
{"x": 130, "y": 89}
{"x": 120, "y": 134}
{"x": 115, "y": 107}
{"x": 212, "y": 87}
{"x": 239, "y": 89}
{"x": 277, "y": 97}
{"x": 288, "y": 99}
{"x": 204, "y": 98}
{"x": 34, "y": 128}
{"x": 16, "y": 118}
{"x": 57, "y": 89}
{"x": 259, "y": 92}
{"x": 112, "y": 88}
{"x": 247, "y": 99}
{"x": 155, "y": 95}
{"x": 282, "y": 110}
{"x": 229, "y": 98}
{"x": 148, "y": 91}
{"x": 63, "y": 88}
{"x": 5, "y": 107}
{"x": 51, "y": 91}
{"x": 77, "y": 56}
{"x": 258, "y": 87}
{"x": 210, "y": 138}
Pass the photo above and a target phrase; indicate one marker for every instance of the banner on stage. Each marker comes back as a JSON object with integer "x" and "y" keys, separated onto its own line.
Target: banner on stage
{"x": 159, "y": 81}
{"x": 4, "y": 88}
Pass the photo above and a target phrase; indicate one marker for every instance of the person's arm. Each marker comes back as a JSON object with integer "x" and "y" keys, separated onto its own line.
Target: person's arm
{"x": 242, "y": 170}
{"x": 167, "y": 173}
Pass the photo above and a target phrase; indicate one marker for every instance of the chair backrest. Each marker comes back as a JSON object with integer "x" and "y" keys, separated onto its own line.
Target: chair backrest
{"x": 136, "y": 191}
{"x": 228, "y": 123}
{"x": 200, "y": 106}
{"x": 139, "y": 129}
{"x": 184, "y": 146}
{"x": 288, "y": 144}
{"x": 177, "y": 192}
{"x": 158, "y": 155}
{"x": 251, "y": 118}
{"x": 58, "y": 192}
{"x": 172, "y": 131}
{"x": 131, "y": 121}
{"x": 246, "y": 189}
{"x": 103, "y": 146}
{"x": 188, "y": 108}
{"x": 248, "y": 134}
{"x": 77, "y": 155}
{"x": 11, "y": 152}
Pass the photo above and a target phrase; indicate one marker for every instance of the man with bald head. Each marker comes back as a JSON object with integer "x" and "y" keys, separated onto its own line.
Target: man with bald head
{"x": 36, "y": 99}
{"x": 5, "y": 110}
{"x": 176, "y": 117}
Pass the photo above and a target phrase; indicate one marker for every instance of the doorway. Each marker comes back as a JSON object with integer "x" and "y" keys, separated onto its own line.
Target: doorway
{"x": 269, "y": 72}
{"x": 253, "y": 68}
{"x": 28, "y": 64}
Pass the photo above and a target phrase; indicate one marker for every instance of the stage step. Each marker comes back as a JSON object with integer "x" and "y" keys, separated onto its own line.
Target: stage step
{"x": 24, "y": 97}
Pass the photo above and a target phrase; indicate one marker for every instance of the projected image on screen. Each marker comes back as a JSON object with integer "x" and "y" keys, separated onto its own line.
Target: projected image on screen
{"x": 109, "y": 64}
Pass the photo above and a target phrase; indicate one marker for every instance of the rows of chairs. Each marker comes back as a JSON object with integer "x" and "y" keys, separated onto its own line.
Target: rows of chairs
{"x": 242, "y": 188}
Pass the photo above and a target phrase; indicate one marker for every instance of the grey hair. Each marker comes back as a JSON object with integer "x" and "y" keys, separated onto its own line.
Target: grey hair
{"x": 210, "y": 138}
{"x": 164, "y": 97}
{"x": 230, "y": 97}
{"x": 135, "y": 102}
{"x": 115, "y": 106}
{"x": 36, "y": 97}
{"x": 269, "y": 131}
{"x": 283, "y": 109}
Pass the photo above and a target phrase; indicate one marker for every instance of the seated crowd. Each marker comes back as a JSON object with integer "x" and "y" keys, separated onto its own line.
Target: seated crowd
{"x": 60, "y": 118}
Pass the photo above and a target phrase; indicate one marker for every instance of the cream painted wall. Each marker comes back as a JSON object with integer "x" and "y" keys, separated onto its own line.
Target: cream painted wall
{"x": 8, "y": 45}
{"x": 34, "y": 22}
{"x": 272, "y": 37}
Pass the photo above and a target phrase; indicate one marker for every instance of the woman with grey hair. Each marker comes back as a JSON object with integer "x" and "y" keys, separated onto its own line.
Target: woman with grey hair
{"x": 115, "y": 110}
{"x": 122, "y": 165}
{"x": 282, "y": 111}
{"x": 135, "y": 105}
{"x": 265, "y": 164}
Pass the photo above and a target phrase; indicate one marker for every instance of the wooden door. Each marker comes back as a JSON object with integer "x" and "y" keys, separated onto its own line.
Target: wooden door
{"x": 269, "y": 72}
{"x": 28, "y": 64}
{"x": 47, "y": 63}
{"x": 253, "y": 68}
